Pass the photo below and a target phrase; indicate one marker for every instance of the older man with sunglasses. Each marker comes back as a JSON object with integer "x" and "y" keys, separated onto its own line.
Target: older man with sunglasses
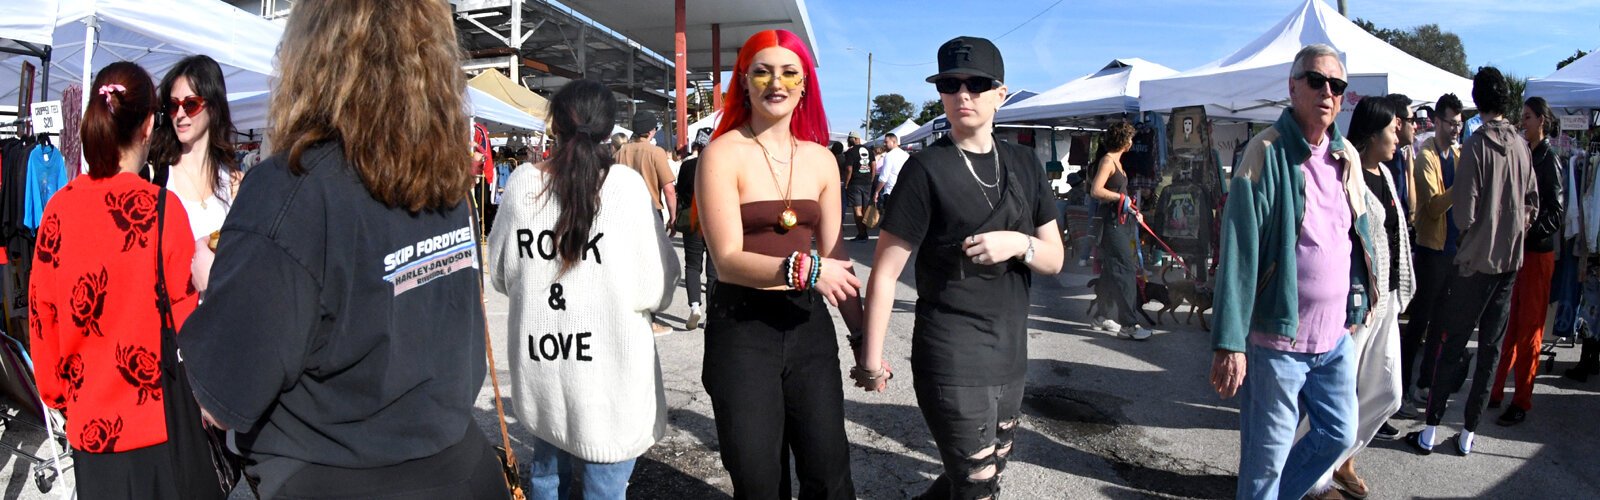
{"x": 1294, "y": 280}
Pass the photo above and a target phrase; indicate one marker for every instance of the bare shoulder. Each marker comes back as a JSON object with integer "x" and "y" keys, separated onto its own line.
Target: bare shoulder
{"x": 815, "y": 154}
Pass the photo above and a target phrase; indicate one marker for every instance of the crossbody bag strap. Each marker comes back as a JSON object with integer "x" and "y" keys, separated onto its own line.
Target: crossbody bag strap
{"x": 163, "y": 297}
{"x": 488, "y": 343}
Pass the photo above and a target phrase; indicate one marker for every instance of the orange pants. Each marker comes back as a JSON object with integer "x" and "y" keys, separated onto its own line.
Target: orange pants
{"x": 1530, "y": 298}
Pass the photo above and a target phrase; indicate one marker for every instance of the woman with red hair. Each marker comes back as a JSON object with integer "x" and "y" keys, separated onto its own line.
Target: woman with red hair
{"x": 767, "y": 186}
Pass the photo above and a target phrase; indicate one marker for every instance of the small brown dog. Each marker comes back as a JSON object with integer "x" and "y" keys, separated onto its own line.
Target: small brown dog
{"x": 1186, "y": 290}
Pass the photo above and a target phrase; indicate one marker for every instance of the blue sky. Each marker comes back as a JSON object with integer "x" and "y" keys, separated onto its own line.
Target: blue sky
{"x": 1078, "y": 37}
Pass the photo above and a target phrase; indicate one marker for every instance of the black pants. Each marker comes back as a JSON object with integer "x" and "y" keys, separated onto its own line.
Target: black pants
{"x": 466, "y": 470}
{"x": 965, "y": 422}
{"x": 134, "y": 474}
{"x": 694, "y": 260}
{"x": 1433, "y": 268}
{"x": 1118, "y": 291}
{"x": 1476, "y": 300}
{"x": 772, "y": 370}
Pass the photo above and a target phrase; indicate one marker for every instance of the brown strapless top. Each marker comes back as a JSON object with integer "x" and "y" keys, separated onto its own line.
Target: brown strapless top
{"x": 763, "y": 234}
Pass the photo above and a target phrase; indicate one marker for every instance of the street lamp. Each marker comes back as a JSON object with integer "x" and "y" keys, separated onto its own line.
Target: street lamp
{"x": 866, "y": 126}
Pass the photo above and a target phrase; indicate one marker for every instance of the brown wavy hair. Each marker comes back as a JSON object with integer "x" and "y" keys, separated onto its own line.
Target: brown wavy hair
{"x": 1118, "y": 137}
{"x": 384, "y": 78}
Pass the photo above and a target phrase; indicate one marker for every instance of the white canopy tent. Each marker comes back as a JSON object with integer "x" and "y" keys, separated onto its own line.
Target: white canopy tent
{"x": 900, "y": 131}
{"x": 1111, "y": 91}
{"x": 86, "y": 35}
{"x": 1576, "y": 86}
{"x": 156, "y": 34}
{"x": 1251, "y": 84}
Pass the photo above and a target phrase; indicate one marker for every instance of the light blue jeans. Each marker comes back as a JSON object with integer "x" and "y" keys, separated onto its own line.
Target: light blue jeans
{"x": 1280, "y": 387}
{"x": 552, "y": 473}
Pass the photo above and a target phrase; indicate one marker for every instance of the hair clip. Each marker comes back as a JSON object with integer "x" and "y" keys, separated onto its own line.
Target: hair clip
{"x": 108, "y": 89}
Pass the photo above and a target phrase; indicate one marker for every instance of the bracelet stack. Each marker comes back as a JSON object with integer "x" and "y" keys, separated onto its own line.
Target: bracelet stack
{"x": 801, "y": 270}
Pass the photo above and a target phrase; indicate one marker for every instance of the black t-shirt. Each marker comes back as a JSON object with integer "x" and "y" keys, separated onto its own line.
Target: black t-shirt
{"x": 685, "y": 182}
{"x": 972, "y": 320}
{"x": 1391, "y": 221}
{"x": 336, "y": 330}
{"x": 858, "y": 161}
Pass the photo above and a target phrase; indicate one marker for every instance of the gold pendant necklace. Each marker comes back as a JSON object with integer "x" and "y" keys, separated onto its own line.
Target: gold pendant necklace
{"x": 787, "y": 219}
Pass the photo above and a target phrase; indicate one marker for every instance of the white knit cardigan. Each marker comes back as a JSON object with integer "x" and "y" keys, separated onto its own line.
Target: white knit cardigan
{"x": 585, "y": 376}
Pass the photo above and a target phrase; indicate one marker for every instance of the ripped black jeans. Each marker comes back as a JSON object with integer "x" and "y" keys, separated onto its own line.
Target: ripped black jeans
{"x": 975, "y": 428}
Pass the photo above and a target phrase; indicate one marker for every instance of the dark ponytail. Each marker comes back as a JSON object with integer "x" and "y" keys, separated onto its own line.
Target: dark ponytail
{"x": 581, "y": 115}
{"x": 121, "y": 98}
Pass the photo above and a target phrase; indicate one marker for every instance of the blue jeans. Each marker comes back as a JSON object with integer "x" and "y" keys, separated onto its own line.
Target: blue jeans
{"x": 552, "y": 472}
{"x": 1277, "y": 387}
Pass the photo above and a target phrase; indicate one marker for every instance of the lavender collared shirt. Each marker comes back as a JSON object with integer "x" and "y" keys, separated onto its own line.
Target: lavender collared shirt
{"x": 1323, "y": 258}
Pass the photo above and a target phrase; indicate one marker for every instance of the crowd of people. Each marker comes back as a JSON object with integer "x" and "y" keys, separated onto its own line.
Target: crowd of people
{"x": 328, "y": 307}
{"x": 1317, "y": 267}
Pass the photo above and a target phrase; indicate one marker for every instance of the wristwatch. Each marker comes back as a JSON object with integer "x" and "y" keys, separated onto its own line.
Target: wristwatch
{"x": 1027, "y": 257}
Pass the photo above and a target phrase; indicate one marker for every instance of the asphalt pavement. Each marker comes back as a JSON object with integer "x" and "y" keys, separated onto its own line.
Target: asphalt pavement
{"x": 1106, "y": 417}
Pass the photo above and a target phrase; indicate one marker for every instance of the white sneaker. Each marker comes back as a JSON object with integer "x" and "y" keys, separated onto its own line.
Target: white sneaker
{"x": 1104, "y": 324}
{"x": 694, "y": 317}
{"x": 1135, "y": 331}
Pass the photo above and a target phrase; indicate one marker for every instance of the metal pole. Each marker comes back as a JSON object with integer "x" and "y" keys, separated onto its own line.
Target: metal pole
{"x": 89, "y": 35}
{"x": 716, "y": 66}
{"x": 868, "y": 126}
{"x": 515, "y": 41}
{"x": 1342, "y": 10}
{"x": 681, "y": 61}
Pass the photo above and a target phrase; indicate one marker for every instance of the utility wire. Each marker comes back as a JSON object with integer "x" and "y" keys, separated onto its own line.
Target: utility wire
{"x": 1031, "y": 19}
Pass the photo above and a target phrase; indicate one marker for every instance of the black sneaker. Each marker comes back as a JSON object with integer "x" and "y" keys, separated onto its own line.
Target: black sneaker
{"x": 1512, "y": 416}
{"x": 1415, "y": 440}
{"x": 1388, "y": 432}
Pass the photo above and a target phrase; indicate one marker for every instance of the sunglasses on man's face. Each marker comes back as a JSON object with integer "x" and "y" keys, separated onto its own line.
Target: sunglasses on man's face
{"x": 191, "y": 106}
{"x": 761, "y": 78}
{"x": 974, "y": 85}
{"x": 1318, "y": 80}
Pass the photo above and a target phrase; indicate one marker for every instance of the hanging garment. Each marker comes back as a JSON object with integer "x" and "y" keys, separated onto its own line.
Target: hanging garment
{"x": 47, "y": 173}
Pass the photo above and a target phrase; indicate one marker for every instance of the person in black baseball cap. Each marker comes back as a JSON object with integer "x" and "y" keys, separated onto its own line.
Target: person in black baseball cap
{"x": 982, "y": 219}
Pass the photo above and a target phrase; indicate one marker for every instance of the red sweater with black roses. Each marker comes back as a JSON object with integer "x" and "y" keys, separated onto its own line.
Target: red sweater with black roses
{"x": 92, "y": 306}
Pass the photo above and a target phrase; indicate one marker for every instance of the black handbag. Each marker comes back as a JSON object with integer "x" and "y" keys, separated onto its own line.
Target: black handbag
{"x": 200, "y": 460}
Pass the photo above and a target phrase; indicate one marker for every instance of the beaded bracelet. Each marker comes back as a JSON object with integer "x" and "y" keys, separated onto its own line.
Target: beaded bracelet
{"x": 800, "y": 271}
{"x": 816, "y": 270}
{"x": 791, "y": 270}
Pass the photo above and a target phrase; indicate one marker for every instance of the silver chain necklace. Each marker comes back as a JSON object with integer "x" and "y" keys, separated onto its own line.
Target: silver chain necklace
{"x": 975, "y": 177}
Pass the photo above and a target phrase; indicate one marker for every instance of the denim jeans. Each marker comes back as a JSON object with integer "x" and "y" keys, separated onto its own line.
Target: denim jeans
{"x": 552, "y": 473}
{"x": 1277, "y": 386}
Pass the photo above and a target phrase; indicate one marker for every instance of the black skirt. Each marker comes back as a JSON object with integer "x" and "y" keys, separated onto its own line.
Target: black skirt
{"x": 134, "y": 474}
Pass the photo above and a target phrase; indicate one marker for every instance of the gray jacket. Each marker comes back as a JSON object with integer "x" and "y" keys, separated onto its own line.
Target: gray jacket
{"x": 1495, "y": 198}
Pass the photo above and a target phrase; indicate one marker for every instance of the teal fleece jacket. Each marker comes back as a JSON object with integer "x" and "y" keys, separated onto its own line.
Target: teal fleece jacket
{"x": 1256, "y": 285}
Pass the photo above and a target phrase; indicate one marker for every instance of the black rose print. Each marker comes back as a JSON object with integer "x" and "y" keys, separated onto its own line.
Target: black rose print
{"x": 100, "y": 435}
{"x": 89, "y": 302}
{"x": 141, "y": 368}
{"x": 135, "y": 214}
{"x": 70, "y": 370}
{"x": 48, "y": 247}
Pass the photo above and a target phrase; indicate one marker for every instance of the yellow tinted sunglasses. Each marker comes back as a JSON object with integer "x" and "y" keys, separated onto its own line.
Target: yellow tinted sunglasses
{"x": 761, "y": 78}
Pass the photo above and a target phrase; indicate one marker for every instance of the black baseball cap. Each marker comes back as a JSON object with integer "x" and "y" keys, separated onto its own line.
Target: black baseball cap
{"x": 970, "y": 56}
{"x": 644, "y": 122}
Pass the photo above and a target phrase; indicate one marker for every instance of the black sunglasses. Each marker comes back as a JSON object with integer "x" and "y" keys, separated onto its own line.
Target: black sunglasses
{"x": 951, "y": 85}
{"x": 1317, "y": 80}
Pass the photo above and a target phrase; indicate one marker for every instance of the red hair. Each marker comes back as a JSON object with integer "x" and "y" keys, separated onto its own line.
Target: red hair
{"x": 809, "y": 122}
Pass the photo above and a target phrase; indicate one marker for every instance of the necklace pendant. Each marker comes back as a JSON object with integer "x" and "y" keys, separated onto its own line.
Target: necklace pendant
{"x": 788, "y": 219}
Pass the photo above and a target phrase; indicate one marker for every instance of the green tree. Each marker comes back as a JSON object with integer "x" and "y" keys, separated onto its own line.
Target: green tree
{"x": 888, "y": 112}
{"x": 931, "y": 109}
{"x": 1575, "y": 56}
{"x": 1427, "y": 42}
